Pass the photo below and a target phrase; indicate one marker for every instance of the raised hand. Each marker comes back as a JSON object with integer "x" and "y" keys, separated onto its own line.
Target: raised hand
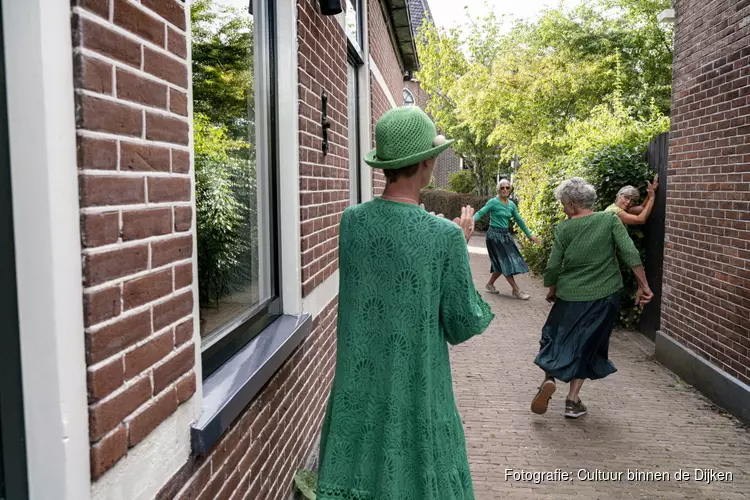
{"x": 466, "y": 221}
{"x": 653, "y": 186}
{"x": 535, "y": 240}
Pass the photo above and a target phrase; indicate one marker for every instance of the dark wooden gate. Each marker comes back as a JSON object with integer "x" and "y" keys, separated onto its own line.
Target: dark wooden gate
{"x": 657, "y": 155}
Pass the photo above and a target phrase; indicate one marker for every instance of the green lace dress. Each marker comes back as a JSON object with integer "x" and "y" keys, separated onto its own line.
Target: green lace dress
{"x": 392, "y": 430}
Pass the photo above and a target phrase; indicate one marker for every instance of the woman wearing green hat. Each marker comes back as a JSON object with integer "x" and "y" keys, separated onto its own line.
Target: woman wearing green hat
{"x": 392, "y": 430}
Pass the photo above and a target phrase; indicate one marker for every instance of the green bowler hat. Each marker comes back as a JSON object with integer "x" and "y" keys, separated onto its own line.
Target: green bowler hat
{"x": 403, "y": 137}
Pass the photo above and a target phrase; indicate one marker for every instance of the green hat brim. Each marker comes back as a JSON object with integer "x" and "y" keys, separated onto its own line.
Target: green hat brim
{"x": 371, "y": 158}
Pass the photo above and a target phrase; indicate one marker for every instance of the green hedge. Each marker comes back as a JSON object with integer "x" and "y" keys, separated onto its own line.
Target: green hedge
{"x": 462, "y": 182}
{"x": 607, "y": 169}
{"x": 449, "y": 204}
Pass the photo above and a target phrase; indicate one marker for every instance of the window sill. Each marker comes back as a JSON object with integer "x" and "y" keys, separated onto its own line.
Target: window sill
{"x": 228, "y": 390}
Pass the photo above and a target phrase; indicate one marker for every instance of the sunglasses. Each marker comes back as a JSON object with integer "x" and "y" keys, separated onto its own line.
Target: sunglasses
{"x": 505, "y": 188}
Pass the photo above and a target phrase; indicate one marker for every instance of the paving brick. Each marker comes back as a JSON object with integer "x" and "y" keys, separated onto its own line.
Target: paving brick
{"x": 642, "y": 417}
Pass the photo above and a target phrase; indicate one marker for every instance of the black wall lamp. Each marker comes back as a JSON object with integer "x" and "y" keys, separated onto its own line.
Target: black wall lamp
{"x": 330, "y": 7}
{"x": 325, "y": 122}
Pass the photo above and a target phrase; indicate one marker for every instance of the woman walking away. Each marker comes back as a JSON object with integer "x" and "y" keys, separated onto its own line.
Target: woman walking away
{"x": 392, "y": 429}
{"x": 627, "y": 197}
{"x": 584, "y": 283}
{"x": 505, "y": 258}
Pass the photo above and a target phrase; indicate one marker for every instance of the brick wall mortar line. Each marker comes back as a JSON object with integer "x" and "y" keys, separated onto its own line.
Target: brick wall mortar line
{"x": 127, "y": 384}
{"x": 93, "y": 134}
{"x": 89, "y": 16}
{"x": 135, "y": 243}
{"x": 137, "y": 206}
{"x": 131, "y": 104}
{"x": 128, "y": 173}
{"x": 129, "y": 349}
{"x": 140, "y": 274}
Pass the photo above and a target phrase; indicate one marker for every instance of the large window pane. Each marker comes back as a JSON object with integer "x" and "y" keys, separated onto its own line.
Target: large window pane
{"x": 232, "y": 143}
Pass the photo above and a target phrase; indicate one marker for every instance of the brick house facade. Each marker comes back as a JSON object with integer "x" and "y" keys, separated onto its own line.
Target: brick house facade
{"x": 705, "y": 334}
{"x": 134, "y": 406}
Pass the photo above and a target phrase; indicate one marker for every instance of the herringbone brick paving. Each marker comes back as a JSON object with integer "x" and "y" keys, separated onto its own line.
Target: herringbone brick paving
{"x": 642, "y": 417}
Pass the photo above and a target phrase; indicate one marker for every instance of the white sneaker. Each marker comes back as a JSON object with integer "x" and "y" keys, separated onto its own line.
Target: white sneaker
{"x": 491, "y": 289}
{"x": 521, "y": 295}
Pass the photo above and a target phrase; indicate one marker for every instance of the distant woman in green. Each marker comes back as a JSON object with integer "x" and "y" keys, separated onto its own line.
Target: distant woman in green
{"x": 392, "y": 430}
{"x": 505, "y": 258}
{"x": 584, "y": 283}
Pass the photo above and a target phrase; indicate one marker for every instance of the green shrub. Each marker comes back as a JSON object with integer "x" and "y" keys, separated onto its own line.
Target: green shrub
{"x": 462, "y": 182}
{"x": 608, "y": 169}
{"x": 449, "y": 204}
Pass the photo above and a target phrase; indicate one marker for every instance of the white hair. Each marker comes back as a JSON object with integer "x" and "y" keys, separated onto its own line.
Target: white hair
{"x": 576, "y": 191}
{"x": 502, "y": 181}
{"x": 629, "y": 192}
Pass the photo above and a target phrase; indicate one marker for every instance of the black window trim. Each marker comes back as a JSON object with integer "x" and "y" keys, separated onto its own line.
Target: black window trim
{"x": 13, "y": 468}
{"x": 247, "y": 326}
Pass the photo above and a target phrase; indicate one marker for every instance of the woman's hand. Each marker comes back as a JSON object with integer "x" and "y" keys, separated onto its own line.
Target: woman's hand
{"x": 653, "y": 186}
{"x": 466, "y": 221}
{"x": 552, "y": 294}
{"x": 643, "y": 296}
{"x": 535, "y": 240}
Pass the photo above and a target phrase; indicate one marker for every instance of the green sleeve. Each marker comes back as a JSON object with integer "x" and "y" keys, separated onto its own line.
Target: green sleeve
{"x": 625, "y": 246}
{"x": 486, "y": 208}
{"x": 519, "y": 220}
{"x": 463, "y": 312}
{"x": 554, "y": 264}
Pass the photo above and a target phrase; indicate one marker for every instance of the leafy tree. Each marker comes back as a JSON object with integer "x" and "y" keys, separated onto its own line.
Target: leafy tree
{"x": 462, "y": 182}
{"x": 223, "y": 79}
{"x": 576, "y": 92}
{"x": 444, "y": 70}
{"x": 223, "y": 124}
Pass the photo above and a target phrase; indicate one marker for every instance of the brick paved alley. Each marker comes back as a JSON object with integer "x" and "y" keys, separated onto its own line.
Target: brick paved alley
{"x": 642, "y": 417}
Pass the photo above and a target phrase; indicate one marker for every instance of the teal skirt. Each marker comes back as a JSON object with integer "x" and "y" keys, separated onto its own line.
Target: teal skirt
{"x": 575, "y": 339}
{"x": 504, "y": 255}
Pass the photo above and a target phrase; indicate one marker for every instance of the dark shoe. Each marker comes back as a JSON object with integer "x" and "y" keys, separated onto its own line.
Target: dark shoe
{"x": 544, "y": 394}
{"x": 574, "y": 409}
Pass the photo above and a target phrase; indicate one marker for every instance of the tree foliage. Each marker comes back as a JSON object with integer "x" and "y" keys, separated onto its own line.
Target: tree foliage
{"x": 226, "y": 214}
{"x": 222, "y": 50}
{"x": 578, "y": 91}
{"x": 504, "y": 88}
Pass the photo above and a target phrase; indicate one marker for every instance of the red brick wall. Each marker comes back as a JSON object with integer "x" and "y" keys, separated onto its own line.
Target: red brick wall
{"x": 131, "y": 83}
{"x": 324, "y": 179}
{"x": 707, "y": 254}
{"x": 270, "y": 441}
{"x": 382, "y": 50}
{"x": 258, "y": 456}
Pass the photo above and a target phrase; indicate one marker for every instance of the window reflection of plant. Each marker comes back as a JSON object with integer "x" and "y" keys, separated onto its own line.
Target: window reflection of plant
{"x": 223, "y": 93}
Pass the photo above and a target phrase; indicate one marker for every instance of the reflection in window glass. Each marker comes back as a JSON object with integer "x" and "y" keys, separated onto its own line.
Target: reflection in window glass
{"x": 352, "y": 23}
{"x": 232, "y": 259}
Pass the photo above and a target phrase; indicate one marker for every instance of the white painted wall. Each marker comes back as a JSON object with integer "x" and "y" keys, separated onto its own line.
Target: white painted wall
{"x": 365, "y": 111}
{"x": 288, "y": 155}
{"x": 381, "y": 82}
{"x": 41, "y": 119}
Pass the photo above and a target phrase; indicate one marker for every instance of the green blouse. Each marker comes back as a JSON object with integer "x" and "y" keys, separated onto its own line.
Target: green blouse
{"x": 614, "y": 208}
{"x": 500, "y": 215}
{"x": 392, "y": 429}
{"x": 583, "y": 263}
